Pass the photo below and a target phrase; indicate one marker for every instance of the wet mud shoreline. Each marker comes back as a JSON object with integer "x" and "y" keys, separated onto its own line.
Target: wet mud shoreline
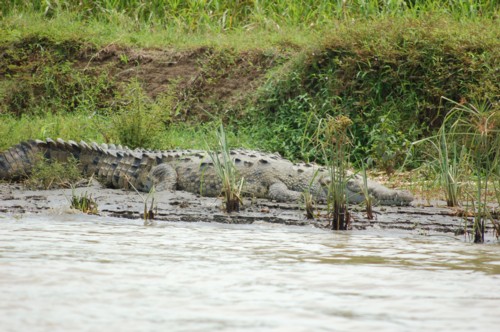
{"x": 183, "y": 206}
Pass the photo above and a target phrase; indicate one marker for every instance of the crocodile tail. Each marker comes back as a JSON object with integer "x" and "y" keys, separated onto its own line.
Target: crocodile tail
{"x": 18, "y": 161}
{"x": 114, "y": 167}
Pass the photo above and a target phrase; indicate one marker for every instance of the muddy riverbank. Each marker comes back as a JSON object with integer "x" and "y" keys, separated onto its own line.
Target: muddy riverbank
{"x": 183, "y": 206}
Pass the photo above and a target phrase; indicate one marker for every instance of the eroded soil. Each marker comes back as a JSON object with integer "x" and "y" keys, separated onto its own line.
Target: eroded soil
{"x": 204, "y": 80}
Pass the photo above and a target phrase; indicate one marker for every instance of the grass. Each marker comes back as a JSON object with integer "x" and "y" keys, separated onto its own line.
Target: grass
{"x": 84, "y": 203}
{"x": 389, "y": 84}
{"x": 308, "y": 204}
{"x": 334, "y": 142}
{"x": 226, "y": 171}
{"x": 138, "y": 120}
{"x": 53, "y": 174}
{"x": 450, "y": 163}
{"x": 478, "y": 127}
{"x": 384, "y": 64}
{"x": 466, "y": 147}
{"x": 220, "y": 16}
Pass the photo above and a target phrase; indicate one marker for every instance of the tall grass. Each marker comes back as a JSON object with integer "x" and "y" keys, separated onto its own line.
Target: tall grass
{"x": 219, "y": 15}
{"x": 449, "y": 161}
{"x": 226, "y": 171}
{"x": 478, "y": 127}
{"x": 335, "y": 144}
{"x": 384, "y": 62}
{"x": 468, "y": 146}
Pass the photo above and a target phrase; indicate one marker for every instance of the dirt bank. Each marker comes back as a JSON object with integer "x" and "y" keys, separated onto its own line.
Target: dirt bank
{"x": 199, "y": 80}
{"x": 184, "y": 206}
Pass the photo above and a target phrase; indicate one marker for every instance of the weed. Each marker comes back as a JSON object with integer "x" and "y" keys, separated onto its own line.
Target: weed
{"x": 148, "y": 213}
{"x": 84, "y": 203}
{"x": 308, "y": 204}
{"x": 450, "y": 163}
{"x": 468, "y": 144}
{"x": 478, "y": 128}
{"x": 226, "y": 170}
{"x": 388, "y": 144}
{"x": 139, "y": 121}
{"x": 334, "y": 141}
{"x": 48, "y": 174}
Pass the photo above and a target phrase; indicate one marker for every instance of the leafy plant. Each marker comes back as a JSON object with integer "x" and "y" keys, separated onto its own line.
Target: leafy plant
{"x": 309, "y": 198}
{"x": 388, "y": 144}
{"x": 308, "y": 204}
{"x": 148, "y": 213}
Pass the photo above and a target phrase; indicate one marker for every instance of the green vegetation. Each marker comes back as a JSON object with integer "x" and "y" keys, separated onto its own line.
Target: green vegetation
{"x": 389, "y": 84}
{"x": 165, "y": 74}
{"x": 477, "y": 127}
{"x": 220, "y": 16}
{"x": 334, "y": 143}
{"x": 226, "y": 171}
{"x": 466, "y": 147}
{"x": 84, "y": 203}
{"x": 53, "y": 174}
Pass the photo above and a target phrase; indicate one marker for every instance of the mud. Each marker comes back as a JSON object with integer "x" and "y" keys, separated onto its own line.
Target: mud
{"x": 174, "y": 206}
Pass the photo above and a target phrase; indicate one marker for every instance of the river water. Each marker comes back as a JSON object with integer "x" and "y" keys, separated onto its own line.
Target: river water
{"x": 85, "y": 273}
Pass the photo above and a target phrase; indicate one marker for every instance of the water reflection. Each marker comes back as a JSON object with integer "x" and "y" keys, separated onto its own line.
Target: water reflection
{"x": 77, "y": 272}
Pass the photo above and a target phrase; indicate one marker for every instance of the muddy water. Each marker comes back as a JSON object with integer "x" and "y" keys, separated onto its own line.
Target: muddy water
{"x": 81, "y": 273}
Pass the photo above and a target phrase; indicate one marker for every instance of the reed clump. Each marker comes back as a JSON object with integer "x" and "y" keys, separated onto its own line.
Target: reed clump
{"x": 232, "y": 183}
{"x": 335, "y": 143}
{"x": 467, "y": 147}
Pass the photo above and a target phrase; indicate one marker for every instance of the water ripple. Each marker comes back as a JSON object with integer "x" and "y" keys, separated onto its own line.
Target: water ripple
{"x": 77, "y": 272}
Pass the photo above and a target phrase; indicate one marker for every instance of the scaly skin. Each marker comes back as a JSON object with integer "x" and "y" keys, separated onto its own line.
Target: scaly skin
{"x": 265, "y": 175}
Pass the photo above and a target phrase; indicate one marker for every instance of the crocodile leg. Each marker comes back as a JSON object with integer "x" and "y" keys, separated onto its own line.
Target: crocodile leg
{"x": 279, "y": 191}
{"x": 163, "y": 177}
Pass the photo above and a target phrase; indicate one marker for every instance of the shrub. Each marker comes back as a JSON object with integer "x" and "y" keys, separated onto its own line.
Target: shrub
{"x": 138, "y": 120}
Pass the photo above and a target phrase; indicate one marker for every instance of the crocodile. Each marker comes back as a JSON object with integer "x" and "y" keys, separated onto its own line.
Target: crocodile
{"x": 266, "y": 175}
